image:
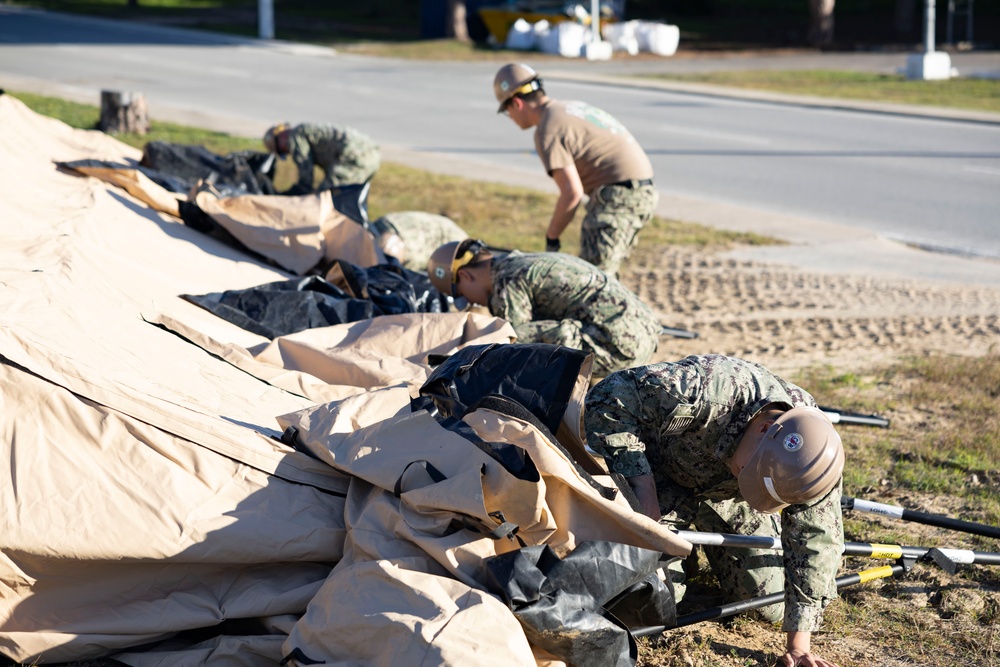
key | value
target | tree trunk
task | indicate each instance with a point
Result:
(820, 22)
(903, 17)
(456, 26)
(123, 112)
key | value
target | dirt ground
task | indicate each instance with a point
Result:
(786, 318)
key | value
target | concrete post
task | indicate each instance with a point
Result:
(931, 64)
(596, 49)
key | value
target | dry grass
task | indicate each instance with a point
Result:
(941, 455)
(962, 93)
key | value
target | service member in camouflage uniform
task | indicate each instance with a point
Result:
(552, 298)
(411, 236)
(345, 155)
(719, 443)
(586, 151)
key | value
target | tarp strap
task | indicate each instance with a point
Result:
(298, 656)
(431, 476)
(426, 474)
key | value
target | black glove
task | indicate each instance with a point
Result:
(552, 245)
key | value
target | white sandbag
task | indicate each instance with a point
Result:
(565, 39)
(521, 36)
(622, 36)
(658, 38)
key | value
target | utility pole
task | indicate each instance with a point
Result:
(265, 19)
(931, 64)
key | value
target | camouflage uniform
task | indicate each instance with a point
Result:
(610, 229)
(344, 154)
(422, 233)
(681, 422)
(562, 300)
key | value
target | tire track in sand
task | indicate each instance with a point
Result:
(786, 318)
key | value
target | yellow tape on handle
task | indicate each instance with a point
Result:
(887, 551)
(875, 573)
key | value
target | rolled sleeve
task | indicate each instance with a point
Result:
(613, 427)
(624, 454)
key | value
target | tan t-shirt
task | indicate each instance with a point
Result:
(601, 148)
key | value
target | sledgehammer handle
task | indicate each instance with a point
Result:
(920, 517)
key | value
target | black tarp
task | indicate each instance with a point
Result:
(538, 376)
(179, 167)
(284, 307)
(576, 607)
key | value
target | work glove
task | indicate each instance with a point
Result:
(552, 245)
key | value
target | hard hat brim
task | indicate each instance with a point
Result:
(754, 491)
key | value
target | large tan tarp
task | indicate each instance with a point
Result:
(332, 363)
(151, 490)
(296, 232)
(383, 350)
(134, 182)
(401, 536)
(146, 491)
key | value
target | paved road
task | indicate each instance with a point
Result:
(807, 173)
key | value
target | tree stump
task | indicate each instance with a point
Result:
(123, 112)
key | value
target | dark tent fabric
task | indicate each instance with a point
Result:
(393, 289)
(178, 168)
(356, 293)
(351, 200)
(538, 376)
(238, 173)
(384, 285)
(564, 604)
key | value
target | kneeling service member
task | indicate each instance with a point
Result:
(551, 298)
(345, 155)
(725, 446)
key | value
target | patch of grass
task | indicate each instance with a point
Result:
(513, 217)
(963, 93)
(929, 476)
(85, 117)
(430, 49)
(80, 116)
(944, 439)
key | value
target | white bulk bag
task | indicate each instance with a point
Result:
(622, 36)
(565, 38)
(658, 38)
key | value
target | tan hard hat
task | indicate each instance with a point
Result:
(444, 263)
(512, 79)
(800, 459)
(271, 135)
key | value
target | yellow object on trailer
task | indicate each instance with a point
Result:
(499, 20)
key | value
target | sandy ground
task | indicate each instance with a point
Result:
(788, 318)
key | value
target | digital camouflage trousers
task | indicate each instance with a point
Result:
(742, 573)
(610, 229)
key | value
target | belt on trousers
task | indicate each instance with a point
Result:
(634, 184)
